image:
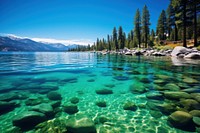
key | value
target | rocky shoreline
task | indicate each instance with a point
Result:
(179, 51)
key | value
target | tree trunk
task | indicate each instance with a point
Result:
(176, 33)
(195, 25)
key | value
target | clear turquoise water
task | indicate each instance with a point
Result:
(80, 74)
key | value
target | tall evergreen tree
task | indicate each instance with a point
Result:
(97, 44)
(181, 10)
(121, 38)
(161, 28)
(145, 24)
(109, 42)
(137, 29)
(115, 39)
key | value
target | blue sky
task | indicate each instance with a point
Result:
(80, 20)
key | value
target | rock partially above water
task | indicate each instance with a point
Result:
(28, 119)
(179, 50)
(193, 55)
(104, 92)
(80, 124)
(180, 118)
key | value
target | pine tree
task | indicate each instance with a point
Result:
(162, 26)
(145, 24)
(109, 42)
(181, 10)
(115, 39)
(120, 38)
(137, 29)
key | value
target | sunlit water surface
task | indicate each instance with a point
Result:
(31, 76)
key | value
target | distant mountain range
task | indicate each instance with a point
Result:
(10, 43)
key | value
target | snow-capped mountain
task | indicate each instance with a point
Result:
(13, 43)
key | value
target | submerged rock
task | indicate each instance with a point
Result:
(74, 100)
(80, 124)
(190, 80)
(195, 113)
(34, 101)
(130, 106)
(70, 109)
(180, 118)
(57, 125)
(155, 114)
(6, 107)
(104, 92)
(53, 95)
(44, 108)
(154, 95)
(171, 86)
(109, 85)
(190, 104)
(11, 96)
(196, 120)
(90, 80)
(121, 78)
(138, 88)
(28, 119)
(176, 95)
(101, 103)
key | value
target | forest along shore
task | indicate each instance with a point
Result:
(179, 51)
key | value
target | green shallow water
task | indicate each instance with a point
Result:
(32, 75)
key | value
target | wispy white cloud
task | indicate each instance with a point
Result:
(51, 40)
(66, 42)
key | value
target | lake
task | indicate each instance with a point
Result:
(106, 93)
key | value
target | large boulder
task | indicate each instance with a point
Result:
(180, 118)
(28, 119)
(179, 50)
(193, 56)
(176, 95)
(80, 124)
